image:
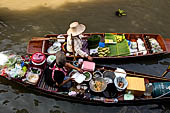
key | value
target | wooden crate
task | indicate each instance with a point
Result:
(35, 46)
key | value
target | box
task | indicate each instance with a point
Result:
(88, 66)
(136, 85)
(109, 41)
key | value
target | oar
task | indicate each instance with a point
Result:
(72, 43)
(168, 69)
(43, 38)
(51, 38)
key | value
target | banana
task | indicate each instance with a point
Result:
(105, 55)
(103, 49)
(102, 52)
(100, 55)
(99, 50)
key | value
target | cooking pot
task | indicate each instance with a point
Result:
(109, 76)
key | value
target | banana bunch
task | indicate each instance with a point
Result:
(103, 51)
(120, 38)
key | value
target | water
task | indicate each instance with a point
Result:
(23, 19)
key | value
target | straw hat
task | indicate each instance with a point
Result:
(76, 29)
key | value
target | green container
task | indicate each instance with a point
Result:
(93, 41)
(160, 88)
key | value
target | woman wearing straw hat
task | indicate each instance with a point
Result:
(75, 33)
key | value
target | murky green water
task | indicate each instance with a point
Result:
(21, 20)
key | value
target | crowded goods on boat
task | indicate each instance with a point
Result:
(83, 81)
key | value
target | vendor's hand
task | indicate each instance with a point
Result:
(80, 70)
(90, 58)
(72, 79)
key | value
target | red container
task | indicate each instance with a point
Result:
(38, 58)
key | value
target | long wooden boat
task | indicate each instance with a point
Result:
(110, 96)
(120, 49)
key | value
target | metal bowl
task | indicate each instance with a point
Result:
(97, 74)
(94, 86)
(109, 76)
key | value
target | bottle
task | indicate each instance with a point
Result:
(149, 89)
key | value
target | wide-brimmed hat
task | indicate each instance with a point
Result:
(76, 29)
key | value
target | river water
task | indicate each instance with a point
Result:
(22, 19)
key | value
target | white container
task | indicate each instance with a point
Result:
(149, 89)
(122, 79)
(50, 59)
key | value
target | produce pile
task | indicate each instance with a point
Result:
(119, 38)
(156, 48)
(103, 51)
(120, 48)
(14, 66)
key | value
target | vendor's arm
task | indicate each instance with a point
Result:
(73, 67)
(78, 47)
(65, 81)
(78, 50)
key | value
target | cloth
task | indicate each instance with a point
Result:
(57, 68)
(53, 75)
(101, 44)
(78, 46)
(48, 77)
(94, 51)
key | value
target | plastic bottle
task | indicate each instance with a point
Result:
(149, 89)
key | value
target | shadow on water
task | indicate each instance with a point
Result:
(17, 27)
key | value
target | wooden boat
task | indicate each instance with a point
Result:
(110, 96)
(41, 44)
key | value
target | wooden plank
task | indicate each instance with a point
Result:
(135, 83)
(167, 43)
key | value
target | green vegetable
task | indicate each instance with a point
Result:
(87, 74)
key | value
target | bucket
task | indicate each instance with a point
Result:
(123, 80)
(160, 88)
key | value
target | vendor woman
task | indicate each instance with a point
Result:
(75, 33)
(55, 74)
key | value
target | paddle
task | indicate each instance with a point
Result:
(44, 38)
(168, 69)
(51, 38)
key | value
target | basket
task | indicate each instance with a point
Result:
(35, 46)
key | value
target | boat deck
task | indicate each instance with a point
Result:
(42, 85)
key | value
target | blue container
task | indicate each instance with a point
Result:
(160, 88)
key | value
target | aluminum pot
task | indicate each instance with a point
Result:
(98, 84)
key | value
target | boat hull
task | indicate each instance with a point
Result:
(61, 96)
(41, 44)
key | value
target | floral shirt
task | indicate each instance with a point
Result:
(77, 46)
